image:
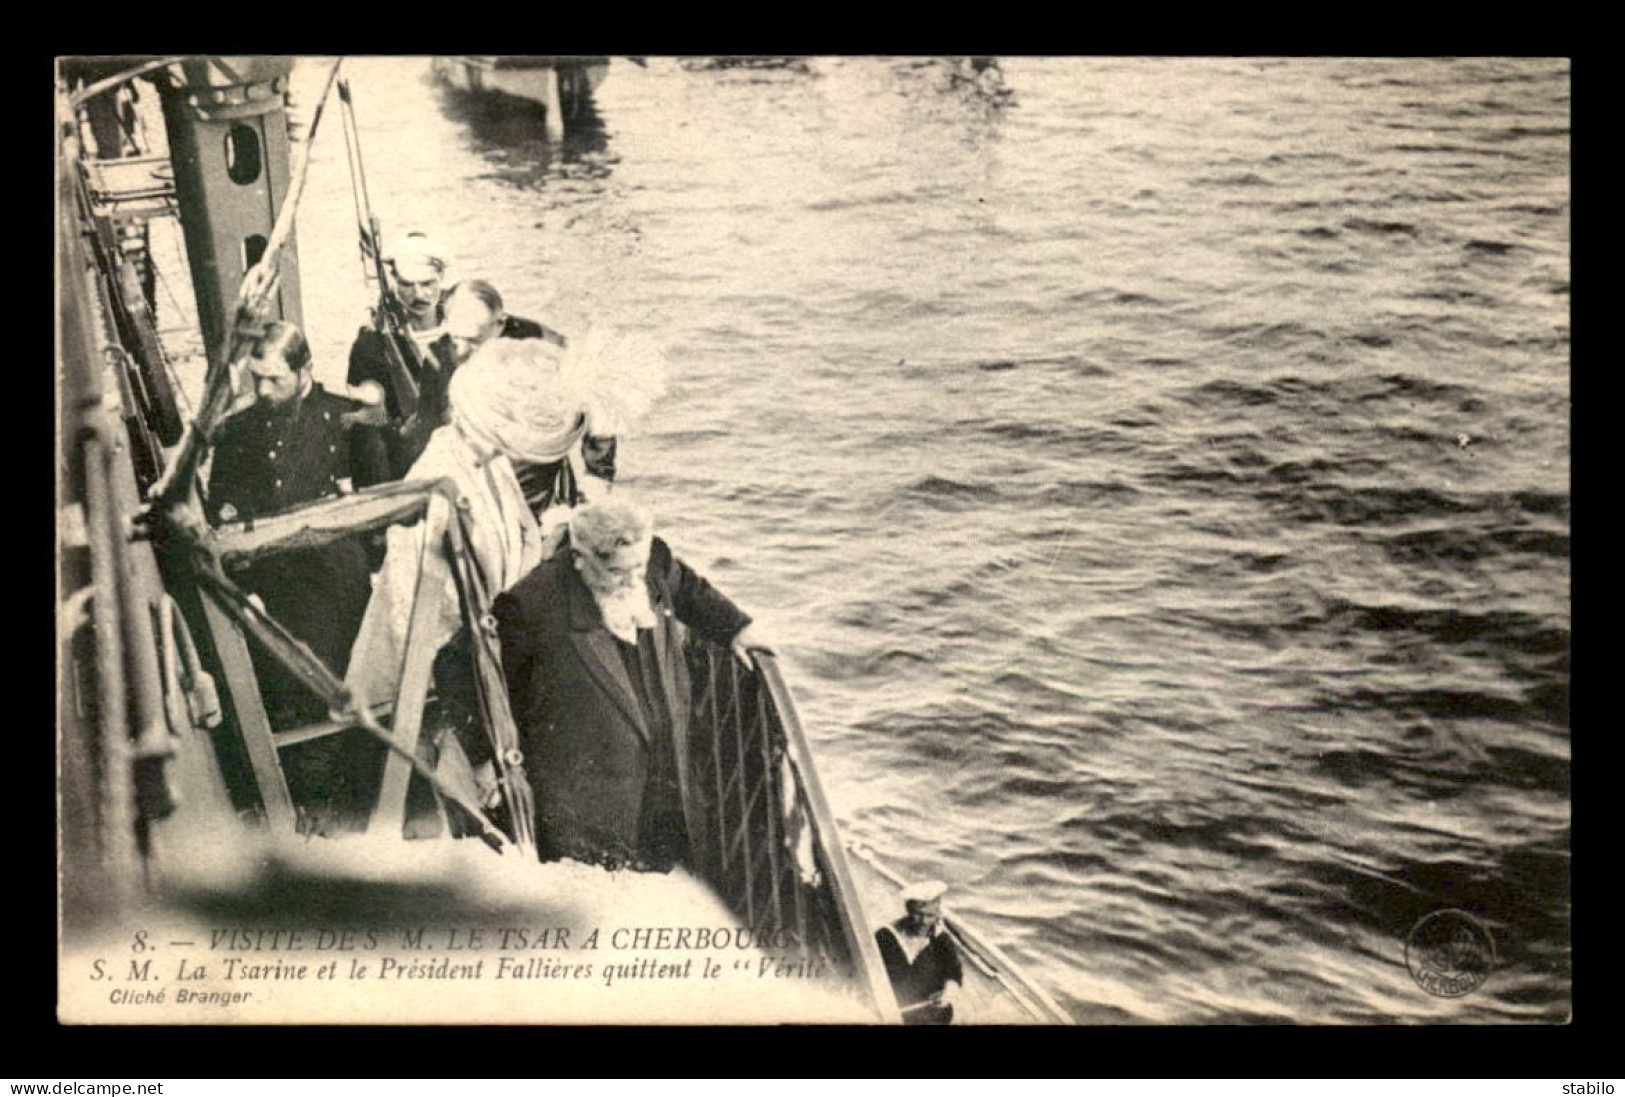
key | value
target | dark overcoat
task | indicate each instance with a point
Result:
(581, 727)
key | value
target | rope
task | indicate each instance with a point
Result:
(355, 185)
(258, 282)
(256, 289)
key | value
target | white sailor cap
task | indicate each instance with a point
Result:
(414, 253)
(925, 891)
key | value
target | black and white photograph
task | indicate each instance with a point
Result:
(842, 539)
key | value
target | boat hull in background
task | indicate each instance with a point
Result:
(536, 80)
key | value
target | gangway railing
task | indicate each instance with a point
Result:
(770, 848)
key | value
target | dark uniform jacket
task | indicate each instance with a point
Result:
(583, 724)
(266, 462)
(517, 327)
(928, 973)
(429, 370)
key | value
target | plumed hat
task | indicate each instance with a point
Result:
(618, 376)
(510, 396)
(533, 400)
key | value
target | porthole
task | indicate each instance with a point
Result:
(243, 160)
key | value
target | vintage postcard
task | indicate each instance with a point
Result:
(843, 539)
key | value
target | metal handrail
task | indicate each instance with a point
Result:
(859, 932)
(765, 812)
(78, 99)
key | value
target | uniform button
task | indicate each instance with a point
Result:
(327, 415)
(332, 449)
(279, 483)
(271, 454)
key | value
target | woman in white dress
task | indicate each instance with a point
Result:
(515, 399)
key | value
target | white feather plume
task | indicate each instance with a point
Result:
(617, 376)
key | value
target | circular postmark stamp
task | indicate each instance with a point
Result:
(1449, 953)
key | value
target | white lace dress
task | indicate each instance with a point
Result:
(504, 539)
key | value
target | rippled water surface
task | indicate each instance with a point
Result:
(1157, 485)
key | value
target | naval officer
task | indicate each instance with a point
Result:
(294, 444)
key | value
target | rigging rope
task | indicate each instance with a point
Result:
(261, 279)
(252, 296)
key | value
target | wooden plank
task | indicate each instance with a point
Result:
(323, 728)
(389, 815)
(252, 723)
(315, 524)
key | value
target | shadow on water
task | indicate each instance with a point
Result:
(1523, 897)
(508, 133)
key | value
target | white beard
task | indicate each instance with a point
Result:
(626, 611)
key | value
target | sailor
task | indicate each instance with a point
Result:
(410, 318)
(294, 444)
(921, 958)
(474, 314)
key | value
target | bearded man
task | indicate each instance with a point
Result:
(592, 646)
